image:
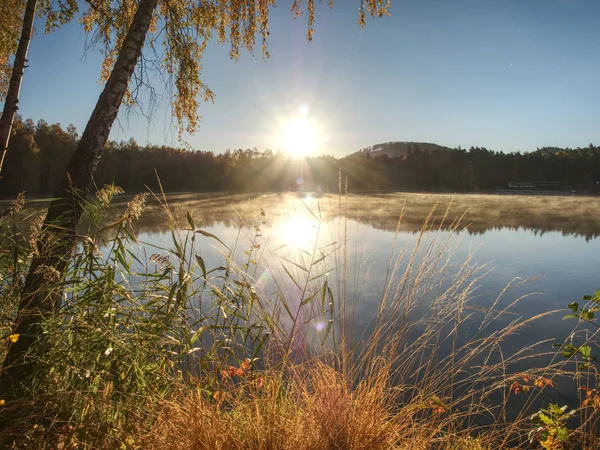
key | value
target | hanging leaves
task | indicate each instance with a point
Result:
(183, 29)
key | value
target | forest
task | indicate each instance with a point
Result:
(39, 154)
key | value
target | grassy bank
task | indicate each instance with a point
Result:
(159, 351)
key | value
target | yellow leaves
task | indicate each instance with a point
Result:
(311, 19)
(14, 337)
(378, 8)
(10, 30)
(375, 8)
(107, 66)
(183, 28)
(2, 402)
(361, 18)
(153, 24)
(550, 443)
(58, 13)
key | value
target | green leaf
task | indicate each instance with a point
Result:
(545, 419)
(595, 299)
(316, 277)
(216, 269)
(260, 345)
(573, 306)
(191, 221)
(291, 276)
(297, 265)
(327, 331)
(178, 251)
(111, 225)
(570, 316)
(330, 295)
(568, 350)
(556, 410)
(212, 236)
(242, 284)
(585, 350)
(202, 266)
(586, 297)
(562, 434)
(132, 255)
(308, 299)
(196, 335)
(285, 305)
(586, 315)
(120, 255)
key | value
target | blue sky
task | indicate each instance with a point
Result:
(505, 74)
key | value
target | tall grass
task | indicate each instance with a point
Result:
(160, 351)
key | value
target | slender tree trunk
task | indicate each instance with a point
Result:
(12, 96)
(57, 237)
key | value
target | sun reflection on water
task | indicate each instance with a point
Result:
(298, 232)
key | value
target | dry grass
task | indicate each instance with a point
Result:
(317, 409)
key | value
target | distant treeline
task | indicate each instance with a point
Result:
(39, 153)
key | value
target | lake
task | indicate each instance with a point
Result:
(551, 241)
(544, 248)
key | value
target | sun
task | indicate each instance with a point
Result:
(299, 136)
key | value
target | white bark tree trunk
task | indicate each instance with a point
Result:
(14, 87)
(65, 210)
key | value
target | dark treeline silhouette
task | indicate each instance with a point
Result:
(40, 152)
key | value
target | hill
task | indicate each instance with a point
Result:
(395, 149)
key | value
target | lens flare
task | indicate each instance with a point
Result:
(299, 137)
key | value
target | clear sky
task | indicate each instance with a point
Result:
(505, 74)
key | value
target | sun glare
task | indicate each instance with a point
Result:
(299, 137)
(297, 232)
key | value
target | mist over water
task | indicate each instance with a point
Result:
(551, 258)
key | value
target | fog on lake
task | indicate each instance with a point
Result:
(545, 248)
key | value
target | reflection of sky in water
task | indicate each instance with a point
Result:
(566, 267)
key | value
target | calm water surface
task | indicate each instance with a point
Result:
(559, 261)
(547, 249)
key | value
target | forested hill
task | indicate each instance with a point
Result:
(400, 149)
(39, 153)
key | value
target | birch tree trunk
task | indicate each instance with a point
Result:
(57, 237)
(14, 87)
